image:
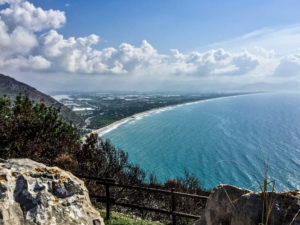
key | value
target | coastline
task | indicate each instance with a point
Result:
(160, 163)
(135, 116)
(103, 130)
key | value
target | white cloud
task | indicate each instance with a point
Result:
(26, 15)
(245, 62)
(38, 62)
(18, 41)
(30, 63)
(74, 54)
(29, 40)
(78, 55)
(213, 62)
(289, 66)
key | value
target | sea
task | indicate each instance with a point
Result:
(228, 140)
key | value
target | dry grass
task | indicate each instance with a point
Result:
(66, 162)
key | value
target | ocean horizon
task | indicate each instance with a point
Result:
(222, 140)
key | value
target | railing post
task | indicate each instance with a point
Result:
(173, 202)
(107, 202)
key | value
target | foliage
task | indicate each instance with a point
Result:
(33, 130)
(29, 130)
(127, 219)
(100, 158)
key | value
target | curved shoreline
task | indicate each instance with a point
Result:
(104, 130)
(135, 116)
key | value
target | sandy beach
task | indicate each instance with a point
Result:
(117, 123)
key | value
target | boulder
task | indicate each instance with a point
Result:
(32, 193)
(231, 205)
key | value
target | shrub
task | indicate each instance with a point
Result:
(29, 130)
(67, 162)
(100, 158)
(33, 130)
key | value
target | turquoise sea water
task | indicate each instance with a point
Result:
(221, 141)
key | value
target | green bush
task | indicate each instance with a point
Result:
(100, 158)
(29, 130)
(35, 131)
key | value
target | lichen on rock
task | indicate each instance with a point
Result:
(32, 193)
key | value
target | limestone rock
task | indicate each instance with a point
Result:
(231, 205)
(32, 193)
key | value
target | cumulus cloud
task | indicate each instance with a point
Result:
(18, 41)
(77, 54)
(19, 23)
(213, 62)
(29, 63)
(29, 40)
(244, 62)
(289, 66)
(26, 15)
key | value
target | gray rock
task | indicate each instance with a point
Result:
(27, 201)
(65, 189)
(3, 190)
(231, 205)
(32, 193)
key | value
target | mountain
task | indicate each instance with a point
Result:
(12, 87)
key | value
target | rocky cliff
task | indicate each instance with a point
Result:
(32, 193)
(230, 205)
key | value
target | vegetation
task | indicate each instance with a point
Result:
(127, 219)
(36, 131)
(29, 130)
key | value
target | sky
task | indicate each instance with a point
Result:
(170, 45)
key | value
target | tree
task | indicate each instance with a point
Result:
(33, 130)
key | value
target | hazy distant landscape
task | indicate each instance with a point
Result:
(101, 109)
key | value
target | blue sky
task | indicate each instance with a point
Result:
(168, 24)
(150, 45)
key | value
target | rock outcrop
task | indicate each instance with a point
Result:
(32, 193)
(231, 205)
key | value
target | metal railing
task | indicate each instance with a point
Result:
(108, 200)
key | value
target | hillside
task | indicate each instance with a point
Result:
(12, 87)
